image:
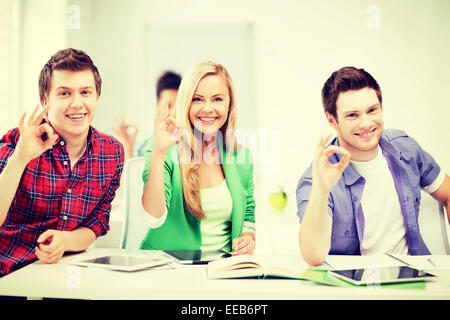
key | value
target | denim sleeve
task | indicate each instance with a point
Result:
(427, 168)
(143, 146)
(303, 191)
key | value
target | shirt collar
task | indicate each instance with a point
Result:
(350, 174)
(387, 146)
(89, 140)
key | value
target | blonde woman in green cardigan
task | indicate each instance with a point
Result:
(198, 190)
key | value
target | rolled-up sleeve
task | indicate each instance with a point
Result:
(303, 192)
(249, 219)
(7, 146)
(98, 219)
(168, 171)
(419, 162)
(428, 167)
(250, 199)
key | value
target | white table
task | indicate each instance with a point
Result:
(63, 280)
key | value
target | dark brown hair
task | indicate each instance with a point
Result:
(67, 59)
(345, 79)
(168, 80)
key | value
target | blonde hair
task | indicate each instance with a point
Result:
(190, 146)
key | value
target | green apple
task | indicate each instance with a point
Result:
(278, 200)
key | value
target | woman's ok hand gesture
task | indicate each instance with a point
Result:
(165, 129)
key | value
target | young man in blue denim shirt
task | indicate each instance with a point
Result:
(361, 195)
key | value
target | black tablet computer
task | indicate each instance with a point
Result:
(382, 275)
(197, 256)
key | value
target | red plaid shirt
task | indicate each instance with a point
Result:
(52, 196)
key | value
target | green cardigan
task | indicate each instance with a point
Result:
(181, 230)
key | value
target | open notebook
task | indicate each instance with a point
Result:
(244, 266)
(248, 266)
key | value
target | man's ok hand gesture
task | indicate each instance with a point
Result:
(30, 144)
(326, 174)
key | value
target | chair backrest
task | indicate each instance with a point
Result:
(134, 228)
(434, 226)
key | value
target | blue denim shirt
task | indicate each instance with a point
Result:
(412, 169)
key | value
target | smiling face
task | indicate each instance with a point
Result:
(72, 100)
(359, 122)
(210, 104)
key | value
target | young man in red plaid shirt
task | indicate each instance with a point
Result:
(58, 174)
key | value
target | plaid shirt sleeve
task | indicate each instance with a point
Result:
(7, 146)
(98, 220)
(52, 195)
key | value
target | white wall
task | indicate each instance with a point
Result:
(30, 32)
(42, 33)
(298, 44)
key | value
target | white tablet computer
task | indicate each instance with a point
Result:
(123, 262)
(382, 275)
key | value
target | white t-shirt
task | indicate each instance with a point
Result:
(384, 226)
(217, 205)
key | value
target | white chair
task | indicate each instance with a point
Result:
(134, 227)
(434, 226)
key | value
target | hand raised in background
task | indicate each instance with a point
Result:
(126, 134)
